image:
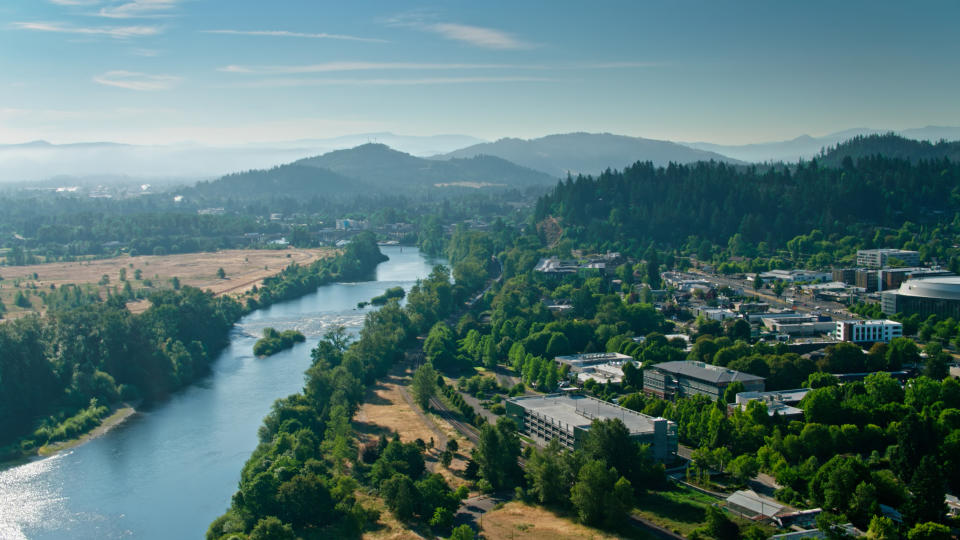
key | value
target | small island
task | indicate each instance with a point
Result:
(392, 292)
(273, 342)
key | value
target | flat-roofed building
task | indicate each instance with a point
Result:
(611, 372)
(579, 362)
(779, 402)
(567, 418)
(873, 331)
(866, 280)
(844, 275)
(558, 268)
(892, 278)
(878, 258)
(670, 380)
(804, 325)
(793, 276)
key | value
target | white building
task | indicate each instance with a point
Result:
(877, 258)
(868, 331)
(352, 224)
(794, 276)
(716, 314)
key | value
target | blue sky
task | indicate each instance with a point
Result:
(239, 71)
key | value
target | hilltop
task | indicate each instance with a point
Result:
(371, 168)
(586, 153)
(806, 147)
(889, 145)
(382, 166)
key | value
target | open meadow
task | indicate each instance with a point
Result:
(242, 269)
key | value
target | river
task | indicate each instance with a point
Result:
(168, 471)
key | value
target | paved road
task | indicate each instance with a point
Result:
(471, 510)
(804, 303)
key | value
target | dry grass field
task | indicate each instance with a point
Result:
(387, 410)
(387, 527)
(244, 268)
(518, 520)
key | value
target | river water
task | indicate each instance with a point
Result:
(167, 472)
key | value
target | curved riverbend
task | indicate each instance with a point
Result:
(167, 472)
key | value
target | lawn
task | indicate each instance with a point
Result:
(679, 509)
(682, 510)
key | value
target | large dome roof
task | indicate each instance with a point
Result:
(947, 288)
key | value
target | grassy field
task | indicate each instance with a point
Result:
(680, 509)
(243, 269)
(519, 520)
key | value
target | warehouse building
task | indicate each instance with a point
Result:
(670, 380)
(567, 418)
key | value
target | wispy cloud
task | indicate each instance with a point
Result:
(330, 67)
(297, 82)
(139, 9)
(147, 53)
(132, 80)
(478, 36)
(333, 67)
(75, 2)
(286, 33)
(110, 31)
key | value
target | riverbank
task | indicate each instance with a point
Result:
(129, 481)
(118, 414)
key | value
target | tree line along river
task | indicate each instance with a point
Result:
(168, 471)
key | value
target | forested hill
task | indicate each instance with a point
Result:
(370, 168)
(292, 180)
(383, 167)
(586, 153)
(714, 201)
(892, 146)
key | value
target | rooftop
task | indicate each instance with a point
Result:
(755, 503)
(705, 372)
(871, 322)
(577, 360)
(580, 411)
(935, 287)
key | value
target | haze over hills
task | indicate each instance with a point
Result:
(383, 166)
(586, 153)
(371, 168)
(555, 155)
(806, 147)
(187, 162)
(890, 145)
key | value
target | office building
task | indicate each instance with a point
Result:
(567, 418)
(868, 331)
(878, 258)
(670, 380)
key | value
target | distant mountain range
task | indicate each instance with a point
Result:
(806, 147)
(553, 156)
(187, 162)
(586, 153)
(372, 168)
